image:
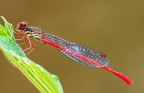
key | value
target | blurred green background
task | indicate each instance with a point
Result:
(115, 27)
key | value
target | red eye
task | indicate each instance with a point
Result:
(22, 25)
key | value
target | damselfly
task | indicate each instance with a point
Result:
(79, 53)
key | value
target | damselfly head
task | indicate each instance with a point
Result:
(22, 25)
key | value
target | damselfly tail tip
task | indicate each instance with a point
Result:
(128, 80)
(120, 75)
(124, 77)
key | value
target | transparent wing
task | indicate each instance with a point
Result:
(77, 48)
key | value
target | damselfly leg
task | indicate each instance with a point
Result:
(21, 30)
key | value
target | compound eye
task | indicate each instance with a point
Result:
(22, 25)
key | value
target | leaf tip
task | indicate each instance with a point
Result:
(3, 18)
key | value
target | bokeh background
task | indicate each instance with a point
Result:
(115, 27)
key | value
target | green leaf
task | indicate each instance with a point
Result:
(42, 79)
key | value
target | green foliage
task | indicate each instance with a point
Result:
(42, 79)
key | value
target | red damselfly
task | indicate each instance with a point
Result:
(77, 52)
